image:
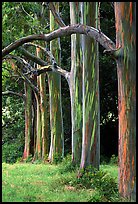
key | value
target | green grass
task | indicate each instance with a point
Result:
(111, 169)
(26, 182)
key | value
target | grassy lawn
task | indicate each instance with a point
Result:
(25, 182)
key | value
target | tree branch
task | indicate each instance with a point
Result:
(22, 62)
(33, 57)
(63, 31)
(26, 11)
(56, 69)
(56, 15)
(48, 53)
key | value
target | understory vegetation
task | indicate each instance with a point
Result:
(43, 182)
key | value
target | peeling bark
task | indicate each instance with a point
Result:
(90, 89)
(44, 119)
(125, 14)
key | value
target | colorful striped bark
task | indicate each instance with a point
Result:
(44, 119)
(90, 89)
(76, 87)
(38, 150)
(28, 120)
(54, 80)
(125, 14)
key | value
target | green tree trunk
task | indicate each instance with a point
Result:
(90, 89)
(76, 86)
(38, 150)
(54, 80)
(28, 120)
(44, 119)
(125, 14)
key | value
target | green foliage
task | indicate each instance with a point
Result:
(29, 159)
(10, 152)
(67, 165)
(13, 130)
(114, 159)
(57, 158)
(100, 181)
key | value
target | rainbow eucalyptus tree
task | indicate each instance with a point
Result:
(38, 144)
(125, 15)
(54, 81)
(28, 121)
(43, 107)
(76, 86)
(90, 89)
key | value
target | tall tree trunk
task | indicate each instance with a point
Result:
(44, 119)
(54, 80)
(28, 120)
(38, 150)
(90, 89)
(125, 14)
(76, 86)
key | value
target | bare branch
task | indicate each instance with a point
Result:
(26, 11)
(23, 63)
(20, 60)
(63, 31)
(33, 57)
(58, 69)
(48, 53)
(56, 15)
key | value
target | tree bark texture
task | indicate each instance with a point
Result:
(90, 88)
(54, 80)
(38, 150)
(76, 86)
(28, 120)
(43, 107)
(125, 14)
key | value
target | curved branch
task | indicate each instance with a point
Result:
(63, 31)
